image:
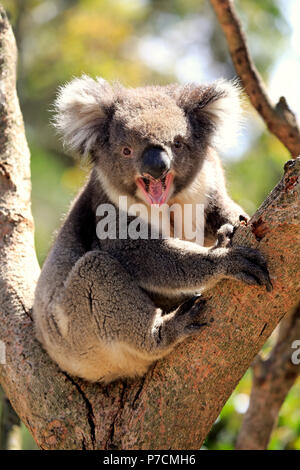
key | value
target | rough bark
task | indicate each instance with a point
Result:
(272, 380)
(279, 118)
(175, 404)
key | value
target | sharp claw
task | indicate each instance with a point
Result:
(269, 286)
(268, 282)
(257, 279)
(196, 326)
(243, 220)
(188, 305)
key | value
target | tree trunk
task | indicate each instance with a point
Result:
(272, 380)
(176, 403)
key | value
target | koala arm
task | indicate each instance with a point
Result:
(172, 266)
(222, 217)
(221, 209)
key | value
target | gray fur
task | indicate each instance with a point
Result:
(108, 309)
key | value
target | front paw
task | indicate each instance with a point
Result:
(188, 318)
(185, 321)
(226, 232)
(247, 265)
(224, 235)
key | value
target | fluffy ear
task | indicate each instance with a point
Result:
(214, 110)
(82, 109)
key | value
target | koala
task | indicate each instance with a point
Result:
(107, 308)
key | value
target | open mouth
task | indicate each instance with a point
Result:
(156, 191)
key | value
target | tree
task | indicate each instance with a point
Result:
(178, 400)
(273, 377)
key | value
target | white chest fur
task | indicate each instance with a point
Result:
(182, 217)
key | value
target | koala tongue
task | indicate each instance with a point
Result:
(156, 192)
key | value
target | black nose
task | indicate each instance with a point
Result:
(155, 162)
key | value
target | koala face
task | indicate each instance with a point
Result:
(148, 143)
(149, 146)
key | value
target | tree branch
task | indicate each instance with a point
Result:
(279, 119)
(272, 380)
(175, 404)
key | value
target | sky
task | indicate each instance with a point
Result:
(177, 51)
(285, 77)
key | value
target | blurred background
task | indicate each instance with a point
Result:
(153, 42)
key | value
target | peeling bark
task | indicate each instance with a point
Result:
(175, 404)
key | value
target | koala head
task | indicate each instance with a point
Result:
(148, 143)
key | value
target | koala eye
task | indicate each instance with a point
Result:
(127, 151)
(178, 144)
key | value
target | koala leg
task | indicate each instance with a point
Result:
(104, 326)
